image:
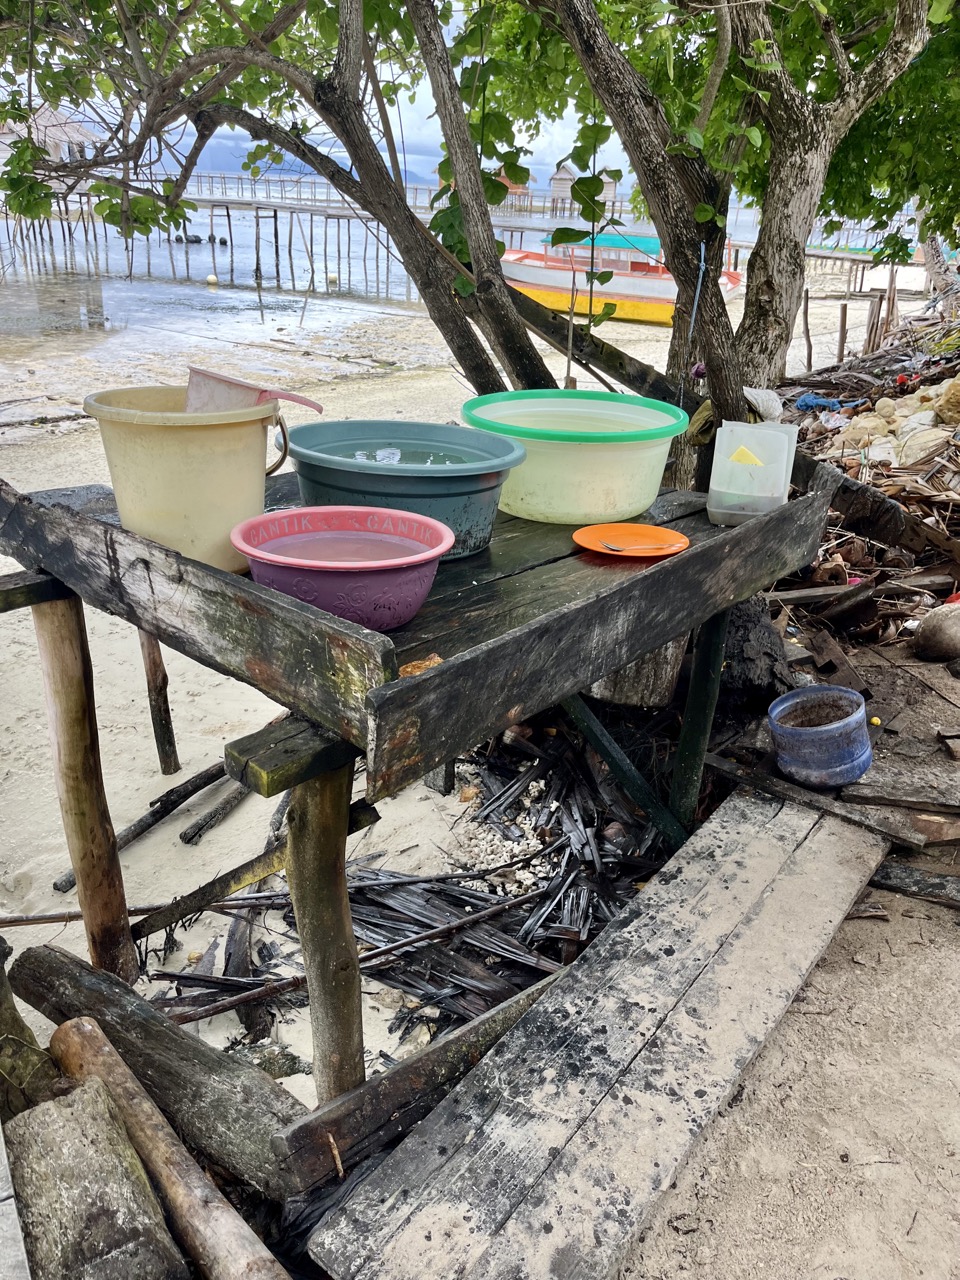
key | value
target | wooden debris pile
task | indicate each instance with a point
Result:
(551, 850)
(892, 419)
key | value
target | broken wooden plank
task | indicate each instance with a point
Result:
(220, 1107)
(588, 1211)
(491, 1140)
(281, 755)
(301, 657)
(931, 784)
(888, 826)
(337, 1136)
(553, 631)
(915, 882)
(834, 665)
(24, 589)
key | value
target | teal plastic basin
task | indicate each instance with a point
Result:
(453, 474)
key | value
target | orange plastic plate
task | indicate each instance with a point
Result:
(638, 540)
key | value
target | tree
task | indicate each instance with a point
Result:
(699, 97)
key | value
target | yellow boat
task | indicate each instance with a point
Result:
(641, 287)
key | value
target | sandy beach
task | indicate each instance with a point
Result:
(837, 1160)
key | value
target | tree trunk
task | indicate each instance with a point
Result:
(777, 266)
(505, 330)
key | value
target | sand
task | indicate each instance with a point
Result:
(838, 1159)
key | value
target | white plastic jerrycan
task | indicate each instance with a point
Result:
(752, 464)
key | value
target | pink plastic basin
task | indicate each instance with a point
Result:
(370, 565)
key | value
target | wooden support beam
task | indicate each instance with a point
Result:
(628, 776)
(698, 713)
(71, 716)
(285, 753)
(318, 820)
(221, 1107)
(157, 682)
(25, 589)
(303, 658)
(343, 1132)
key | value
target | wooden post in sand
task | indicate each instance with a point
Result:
(157, 682)
(72, 720)
(318, 818)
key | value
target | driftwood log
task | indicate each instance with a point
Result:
(222, 1108)
(86, 1205)
(205, 1223)
(27, 1072)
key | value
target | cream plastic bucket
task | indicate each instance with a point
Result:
(184, 479)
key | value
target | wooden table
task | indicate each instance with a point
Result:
(518, 627)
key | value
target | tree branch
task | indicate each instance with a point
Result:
(839, 54)
(504, 329)
(719, 65)
(908, 36)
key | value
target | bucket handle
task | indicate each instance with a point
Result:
(284, 448)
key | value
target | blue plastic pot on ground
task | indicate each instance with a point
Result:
(820, 735)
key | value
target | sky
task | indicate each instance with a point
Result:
(418, 137)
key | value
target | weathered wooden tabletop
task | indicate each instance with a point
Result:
(528, 621)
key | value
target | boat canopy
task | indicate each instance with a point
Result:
(614, 240)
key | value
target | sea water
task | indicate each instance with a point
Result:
(343, 546)
(399, 455)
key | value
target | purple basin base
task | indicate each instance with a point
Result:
(379, 599)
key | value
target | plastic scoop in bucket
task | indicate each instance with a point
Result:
(214, 392)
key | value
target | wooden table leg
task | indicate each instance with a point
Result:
(72, 719)
(702, 696)
(318, 819)
(157, 681)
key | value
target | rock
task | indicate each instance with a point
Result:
(916, 422)
(938, 636)
(948, 406)
(886, 407)
(907, 405)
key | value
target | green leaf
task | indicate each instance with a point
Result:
(704, 213)
(695, 137)
(464, 287)
(606, 311)
(568, 235)
(754, 135)
(615, 174)
(600, 277)
(940, 11)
